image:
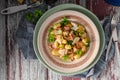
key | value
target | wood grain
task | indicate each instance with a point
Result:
(19, 68)
(2, 43)
(13, 65)
(98, 7)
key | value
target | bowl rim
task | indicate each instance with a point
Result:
(79, 9)
(92, 51)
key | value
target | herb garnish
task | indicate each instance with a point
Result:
(33, 17)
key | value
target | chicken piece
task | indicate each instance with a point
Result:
(75, 27)
(66, 28)
(76, 39)
(62, 52)
(74, 49)
(79, 44)
(51, 45)
(71, 56)
(84, 49)
(59, 38)
(72, 34)
(70, 37)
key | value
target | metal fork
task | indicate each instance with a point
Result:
(115, 20)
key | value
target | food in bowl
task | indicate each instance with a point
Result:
(68, 40)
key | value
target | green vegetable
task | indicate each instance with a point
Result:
(65, 57)
(76, 33)
(51, 38)
(81, 33)
(38, 13)
(69, 42)
(64, 21)
(79, 52)
(61, 46)
(87, 43)
(33, 17)
(51, 29)
(29, 16)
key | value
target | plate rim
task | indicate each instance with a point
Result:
(79, 9)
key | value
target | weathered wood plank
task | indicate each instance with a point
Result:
(13, 57)
(42, 72)
(25, 68)
(71, 78)
(33, 70)
(18, 67)
(76, 78)
(54, 76)
(66, 78)
(99, 7)
(2, 43)
(37, 70)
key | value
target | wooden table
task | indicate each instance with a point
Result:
(13, 65)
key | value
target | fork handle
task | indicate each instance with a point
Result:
(13, 9)
(108, 48)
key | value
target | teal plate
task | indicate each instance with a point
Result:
(79, 9)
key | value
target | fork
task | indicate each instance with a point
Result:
(115, 20)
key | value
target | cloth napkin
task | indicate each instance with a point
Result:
(24, 33)
(24, 38)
